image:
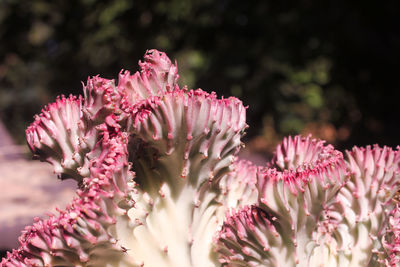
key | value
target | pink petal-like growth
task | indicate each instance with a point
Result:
(102, 99)
(157, 75)
(160, 185)
(56, 136)
(300, 193)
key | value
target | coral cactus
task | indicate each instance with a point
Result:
(160, 185)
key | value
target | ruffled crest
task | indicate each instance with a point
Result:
(56, 136)
(157, 75)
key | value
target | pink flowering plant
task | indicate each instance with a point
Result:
(160, 185)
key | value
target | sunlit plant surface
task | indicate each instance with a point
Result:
(160, 185)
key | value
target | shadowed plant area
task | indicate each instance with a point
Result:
(323, 67)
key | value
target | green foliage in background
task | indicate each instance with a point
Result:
(309, 66)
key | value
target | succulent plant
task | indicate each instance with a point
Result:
(160, 185)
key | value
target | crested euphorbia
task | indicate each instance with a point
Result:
(160, 185)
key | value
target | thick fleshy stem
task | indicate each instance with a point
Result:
(179, 162)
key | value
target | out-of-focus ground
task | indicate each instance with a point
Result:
(28, 189)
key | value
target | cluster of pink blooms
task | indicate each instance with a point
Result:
(160, 185)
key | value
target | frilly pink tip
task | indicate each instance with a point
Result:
(102, 98)
(157, 75)
(300, 160)
(54, 122)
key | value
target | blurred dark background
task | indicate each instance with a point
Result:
(329, 68)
